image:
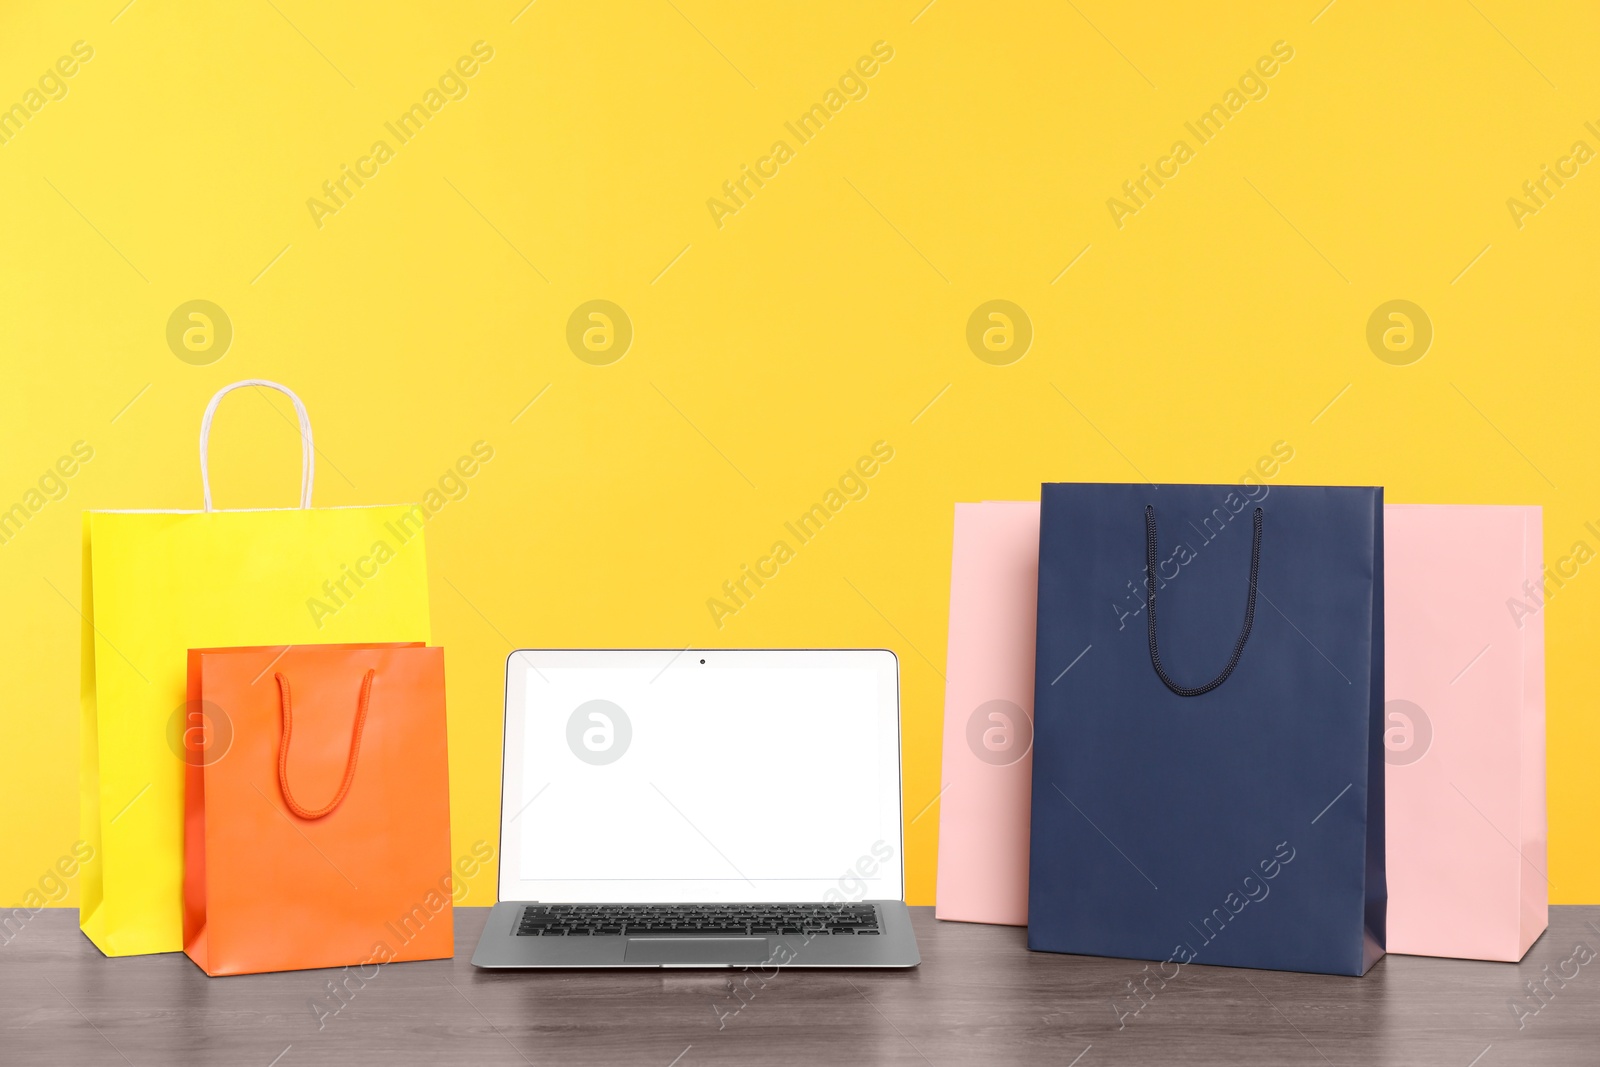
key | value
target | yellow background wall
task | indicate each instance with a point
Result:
(768, 353)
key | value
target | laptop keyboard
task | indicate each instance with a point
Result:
(801, 920)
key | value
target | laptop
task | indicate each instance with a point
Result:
(700, 808)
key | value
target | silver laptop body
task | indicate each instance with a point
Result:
(700, 808)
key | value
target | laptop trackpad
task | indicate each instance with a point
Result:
(696, 950)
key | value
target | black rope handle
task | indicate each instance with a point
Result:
(1150, 599)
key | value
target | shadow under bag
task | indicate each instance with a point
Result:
(1208, 774)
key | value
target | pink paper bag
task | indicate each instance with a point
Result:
(988, 715)
(1464, 730)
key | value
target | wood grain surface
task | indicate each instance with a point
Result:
(979, 997)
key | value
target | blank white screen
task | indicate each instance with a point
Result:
(736, 782)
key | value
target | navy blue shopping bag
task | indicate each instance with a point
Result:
(1208, 719)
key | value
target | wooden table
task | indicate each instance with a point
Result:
(979, 997)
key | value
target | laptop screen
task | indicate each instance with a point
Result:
(701, 776)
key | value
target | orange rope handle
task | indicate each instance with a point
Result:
(355, 748)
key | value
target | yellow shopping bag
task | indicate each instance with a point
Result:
(158, 583)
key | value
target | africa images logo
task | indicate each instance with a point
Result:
(999, 733)
(337, 192)
(599, 732)
(1252, 85)
(852, 85)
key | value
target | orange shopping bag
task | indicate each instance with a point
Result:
(316, 808)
